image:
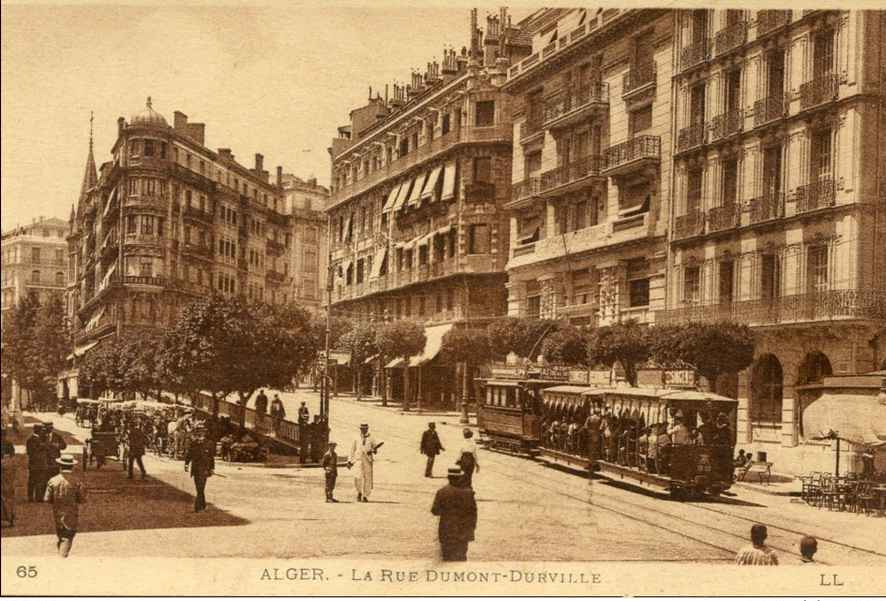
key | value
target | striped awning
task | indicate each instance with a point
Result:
(448, 191)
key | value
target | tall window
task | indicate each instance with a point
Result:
(730, 182)
(775, 73)
(699, 26)
(697, 104)
(727, 279)
(483, 169)
(35, 255)
(772, 172)
(533, 306)
(149, 148)
(35, 276)
(444, 124)
(478, 239)
(817, 268)
(820, 165)
(59, 278)
(485, 113)
(770, 277)
(823, 55)
(692, 284)
(59, 255)
(693, 191)
(533, 162)
(732, 97)
(640, 120)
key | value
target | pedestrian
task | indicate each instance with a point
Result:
(468, 458)
(278, 412)
(55, 445)
(261, 403)
(363, 451)
(38, 468)
(808, 548)
(330, 470)
(200, 456)
(66, 492)
(304, 414)
(757, 553)
(457, 508)
(8, 474)
(136, 442)
(431, 447)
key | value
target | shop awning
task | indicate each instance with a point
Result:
(379, 258)
(392, 198)
(857, 418)
(93, 321)
(448, 181)
(415, 193)
(81, 350)
(431, 183)
(434, 336)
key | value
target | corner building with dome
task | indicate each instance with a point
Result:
(165, 221)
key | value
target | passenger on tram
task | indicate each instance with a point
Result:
(723, 431)
(592, 426)
(679, 433)
(651, 447)
(663, 453)
(707, 429)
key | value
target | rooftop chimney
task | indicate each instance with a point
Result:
(197, 132)
(225, 153)
(279, 176)
(179, 122)
(121, 123)
(259, 163)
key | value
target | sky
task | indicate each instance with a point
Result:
(276, 78)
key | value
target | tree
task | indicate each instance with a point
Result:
(469, 347)
(712, 349)
(360, 342)
(20, 351)
(401, 339)
(623, 342)
(567, 345)
(100, 369)
(521, 336)
(52, 345)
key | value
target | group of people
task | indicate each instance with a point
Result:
(759, 554)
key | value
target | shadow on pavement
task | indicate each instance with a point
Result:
(115, 503)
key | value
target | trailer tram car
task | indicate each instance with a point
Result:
(679, 441)
(509, 415)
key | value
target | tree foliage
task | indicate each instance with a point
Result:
(567, 345)
(625, 343)
(521, 336)
(467, 345)
(361, 343)
(401, 339)
(711, 349)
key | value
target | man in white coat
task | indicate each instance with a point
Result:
(363, 452)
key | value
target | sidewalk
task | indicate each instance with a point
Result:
(780, 485)
(397, 406)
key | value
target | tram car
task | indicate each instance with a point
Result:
(510, 412)
(681, 441)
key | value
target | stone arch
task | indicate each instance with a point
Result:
(814, 367)
(767, 389)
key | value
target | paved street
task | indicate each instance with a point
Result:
(527, 510)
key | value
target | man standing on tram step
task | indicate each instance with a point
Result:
(136, 440)
(468, 458)
(66, 492)
(200, 456)
(363, 451)
(457, 508)
(757, 553)
(329, 462)
(431, 446)
(261, 402)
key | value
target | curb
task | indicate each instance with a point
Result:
(767, 489)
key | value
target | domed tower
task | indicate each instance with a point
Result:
(148, 117)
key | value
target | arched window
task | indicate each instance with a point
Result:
(35, 276)
(59, 278)
(767, 379)
(814, 368)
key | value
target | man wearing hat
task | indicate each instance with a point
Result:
(679, 433)
(37, 449)
(200, 456)
(363, 452)
(329, 462)
(457, 508)
(431, 447)
(56, 444)
(66, 492)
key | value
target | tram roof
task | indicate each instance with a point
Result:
(566, 389)
(697, 396)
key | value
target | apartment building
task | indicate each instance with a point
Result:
(592, 166)
(420, 180)
(779, 206)
(304, 202)
(167, 221)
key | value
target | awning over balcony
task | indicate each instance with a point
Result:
(402, 193)
(417, 184)
(431, 183)
(107, 278)
(392, 199)
(434, 335)
(81, 350)
(380, 255)
(93, 321)
(448, 181)
(857, 418)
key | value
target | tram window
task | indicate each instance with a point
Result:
(512, 397)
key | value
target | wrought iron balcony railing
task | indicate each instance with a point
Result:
(816, 195)
(818, 91)
(695, 54)
(766, 208)
(768, 109)
(727, 124)
(638, 76)
(574, 102)
(731, 37)
(689, 225)
(691, 137)
(580, 168)
(526, 189)
(770, 20)
(640, 147)
(723, 218)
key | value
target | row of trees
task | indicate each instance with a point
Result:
(35, 344)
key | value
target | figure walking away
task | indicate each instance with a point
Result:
(431, 447)
(65, 492)
(457, 508)
(468, 458)
(757, 553)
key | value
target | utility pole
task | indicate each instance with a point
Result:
(324, 387)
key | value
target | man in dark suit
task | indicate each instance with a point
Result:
(37, 447)
(201, 458)
(55, 445)
(457, 508)
(136, 441)
(431, 446)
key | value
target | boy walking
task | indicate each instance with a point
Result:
(330, 469)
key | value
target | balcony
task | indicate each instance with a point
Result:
(277, 218)
(479, 192)
(727, 124)
(689, 225)
(531, 127)
(569, 108)
(526, 189)
(723, 218)
(691, 137)
(198, 250)
(632, 155)
(766, 208)
(769, 109)
(695, 54)
(275, 248)
(574, 310)
(275, 276)
(730, 38)
(144, 280)
(826, 305)
(195, 213)
(771, 20)
(638, 78)
(560, 179)
(524, 249)
(816, 195)
(818, 91)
